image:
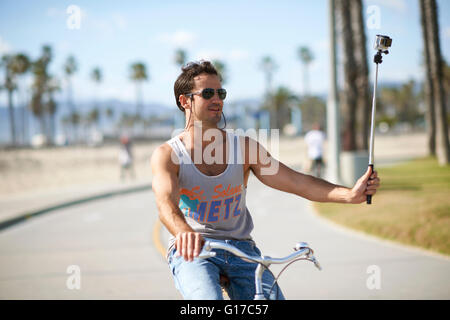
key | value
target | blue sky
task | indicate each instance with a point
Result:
(114, 34)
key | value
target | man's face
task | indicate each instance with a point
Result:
(208, 111)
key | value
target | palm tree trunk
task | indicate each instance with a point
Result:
(362, 80)
(11, 117)
(442, 139)
(350, 90)
(428, 85)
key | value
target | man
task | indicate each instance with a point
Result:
(126, 158)
(314, 140)
(199, 199)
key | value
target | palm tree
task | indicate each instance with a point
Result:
(268, 66)
(428, 85)
(436, 71)
(281, 103)
(10, 86)
(92, 118)
(313, 111)
(51, 106)
(40, 83)
(20, 64)
(138, 75)
(403, 100)
(180, 57)
(96, 77)
(109, 112)
(70, 67)
(15, 65)
(306, 57)
(350, 91)
(363, 105)
(221, 69)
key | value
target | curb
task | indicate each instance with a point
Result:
(31, 214)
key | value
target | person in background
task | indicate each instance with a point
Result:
(314, 140)
(126, 158)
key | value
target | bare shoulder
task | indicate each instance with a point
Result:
(164, 158)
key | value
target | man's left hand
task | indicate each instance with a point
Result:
(364, 186)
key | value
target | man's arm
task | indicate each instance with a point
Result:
(165, 187)
(306, 186)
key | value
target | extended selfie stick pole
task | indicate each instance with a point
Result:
(377, 59)
(381, 45)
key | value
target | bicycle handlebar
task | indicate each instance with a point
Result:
(301, 249)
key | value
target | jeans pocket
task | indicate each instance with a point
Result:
(172, 261)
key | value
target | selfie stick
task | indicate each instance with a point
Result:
(378, 60)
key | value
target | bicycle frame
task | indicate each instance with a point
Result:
(302, 250)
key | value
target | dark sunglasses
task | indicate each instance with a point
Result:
(208, 93)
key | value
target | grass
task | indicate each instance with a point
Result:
(412, 206)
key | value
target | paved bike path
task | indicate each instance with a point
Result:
(111, 241)
(355, 266)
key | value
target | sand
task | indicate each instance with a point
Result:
(30, 170)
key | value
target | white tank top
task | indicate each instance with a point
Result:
(214, 206)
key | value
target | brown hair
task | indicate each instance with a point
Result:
(185, 81)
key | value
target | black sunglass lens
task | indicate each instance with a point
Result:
(208, 93)
(222, 93)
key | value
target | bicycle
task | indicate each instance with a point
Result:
(302, 252)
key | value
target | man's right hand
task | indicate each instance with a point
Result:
(189, 245)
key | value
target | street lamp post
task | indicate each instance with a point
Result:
(333, 130)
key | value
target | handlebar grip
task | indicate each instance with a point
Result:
(369, 196)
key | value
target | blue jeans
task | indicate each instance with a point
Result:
(199, 279)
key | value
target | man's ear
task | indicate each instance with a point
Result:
(184, 101)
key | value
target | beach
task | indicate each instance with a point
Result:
(25, 171)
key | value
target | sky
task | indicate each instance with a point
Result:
(114, 34)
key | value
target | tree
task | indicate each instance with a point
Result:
(282, 101)
(10, 86)
(51, 106)
(306, 57)
(403, 101)
(180, 57)
(350, 91)
(70, 67)
(15, 65)
(40, 84)
(92, 118)
(221, 69)
(428, 85)
(96, 77)
(138, 75)
(313, 111)
(436, 71)
(268, 66)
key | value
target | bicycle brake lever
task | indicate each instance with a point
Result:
(316, 263)
(301, 245)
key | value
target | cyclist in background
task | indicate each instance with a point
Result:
(200, 186)
(314, 140)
